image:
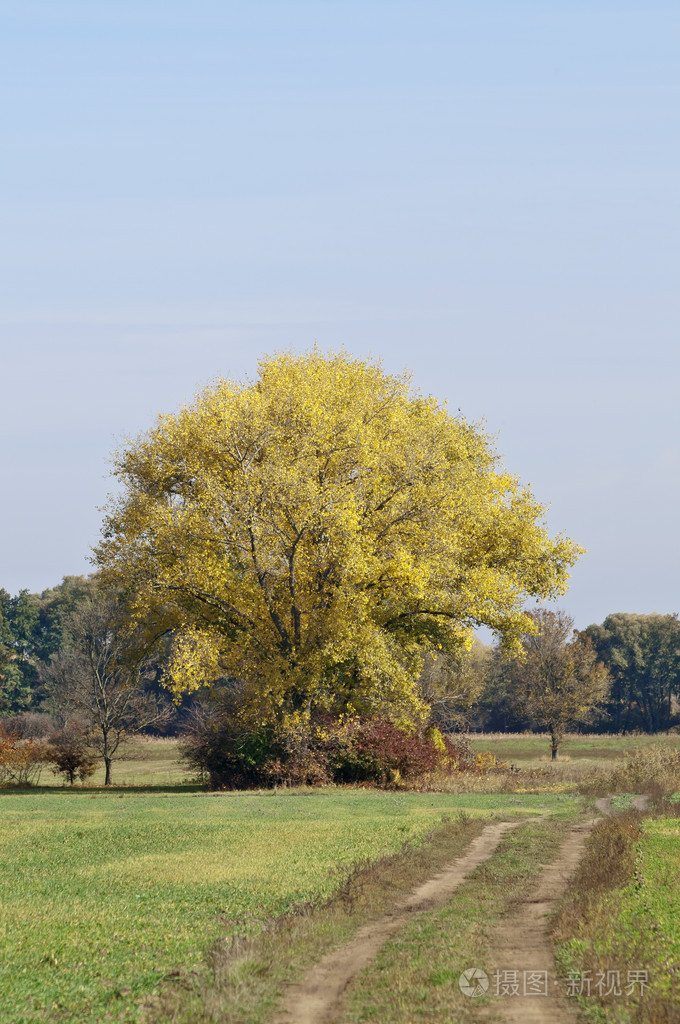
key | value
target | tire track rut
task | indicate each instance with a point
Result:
(521, 942)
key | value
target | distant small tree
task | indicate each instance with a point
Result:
(98, 678)
(70, 755)
(559, 681)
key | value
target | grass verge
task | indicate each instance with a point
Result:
(623, 917)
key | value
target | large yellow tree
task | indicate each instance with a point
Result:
(317, 532)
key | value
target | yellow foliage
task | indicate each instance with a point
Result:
(436, 739)
(316, 531)
(486, 762)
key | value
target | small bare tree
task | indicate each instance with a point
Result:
(98, 678)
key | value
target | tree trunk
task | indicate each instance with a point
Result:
(107, 779)
(554, 742)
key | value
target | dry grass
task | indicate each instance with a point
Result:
(654, 770)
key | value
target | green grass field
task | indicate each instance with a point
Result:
(577, 752)
(146, 762)
(104, 893)
(655, 892)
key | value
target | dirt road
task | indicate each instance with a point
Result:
(521, 943)
(317, 999)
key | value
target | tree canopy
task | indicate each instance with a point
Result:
(319, 530)
(32, 629)
(642, 653)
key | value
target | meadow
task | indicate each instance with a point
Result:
(578, 752)
(106, 894)
(146, 761)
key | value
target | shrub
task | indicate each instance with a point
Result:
(218, 749)
(306, 768)
(21, 761)
(652, 770)
(376, 750)
(359, 750)
(70, 755)
(222, 757)
(486, 763)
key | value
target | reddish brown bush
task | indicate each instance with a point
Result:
(21, 761)
(375, 750)
(300, 769)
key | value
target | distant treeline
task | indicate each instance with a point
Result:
(642, 656)
(640, 652)
(38, 636)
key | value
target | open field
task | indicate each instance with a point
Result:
(658, 860)
(577, 752)
(147, 762)
(105, 893)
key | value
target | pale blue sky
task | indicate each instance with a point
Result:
(486, 193)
